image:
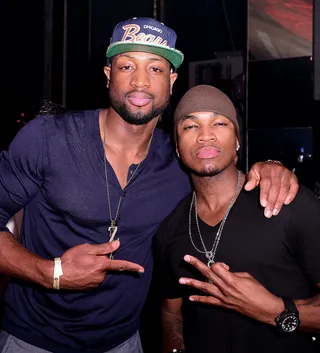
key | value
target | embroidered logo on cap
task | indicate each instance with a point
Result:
(132, 34)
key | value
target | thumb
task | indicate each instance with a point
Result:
(242, 274)
(104, 248)
(225, 266)
(252, 180)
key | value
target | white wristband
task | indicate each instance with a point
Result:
(57, 272)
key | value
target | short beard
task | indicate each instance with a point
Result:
(204, 173)
(138, 118)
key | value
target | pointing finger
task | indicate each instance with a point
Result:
(205, 270)
(122, 265)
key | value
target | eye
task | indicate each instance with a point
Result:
(125, 68)
(220, 123)
(156, 69)
(189, 127)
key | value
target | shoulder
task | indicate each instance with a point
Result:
(305, 205)
(30, 135)
(70, 119)
(164, 143)
(68, 126)
(171, 222)
(163, 148)
(305, 195)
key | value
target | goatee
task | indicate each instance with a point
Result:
(138, 118)
(210, 172)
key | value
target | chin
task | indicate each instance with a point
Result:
(208, 171)
(138, 120)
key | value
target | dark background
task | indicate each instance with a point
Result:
(32, 42)
(38, 61)
(55, 49)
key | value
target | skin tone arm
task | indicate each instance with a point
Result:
(84, 266)
(172, 325)
(241, 292)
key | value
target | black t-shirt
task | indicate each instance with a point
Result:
(282, 253)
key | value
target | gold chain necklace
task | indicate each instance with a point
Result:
(113, 228)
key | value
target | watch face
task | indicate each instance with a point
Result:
(290, 323)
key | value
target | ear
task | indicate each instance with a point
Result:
(173, 77)
(107, 72)
(237, 144)
(177, 151)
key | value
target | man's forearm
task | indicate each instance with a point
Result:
(172, 328)
(309, 313)
(17, 261)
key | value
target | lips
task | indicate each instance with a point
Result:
(207, 152)
(139, 99)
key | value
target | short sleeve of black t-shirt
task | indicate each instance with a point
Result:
(304, 233)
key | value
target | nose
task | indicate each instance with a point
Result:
(140, 78)
(206, 134)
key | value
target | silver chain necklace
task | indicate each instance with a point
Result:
(210, 254)
(113, 228)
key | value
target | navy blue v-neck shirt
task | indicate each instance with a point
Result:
(54, 168)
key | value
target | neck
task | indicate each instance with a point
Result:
(122, 136)
(214, 192)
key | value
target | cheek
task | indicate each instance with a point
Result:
(185, 145)
(118, 80)
(162, 88)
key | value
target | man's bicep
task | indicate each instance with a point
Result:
(21, 170)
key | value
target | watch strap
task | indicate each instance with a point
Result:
(289, 305)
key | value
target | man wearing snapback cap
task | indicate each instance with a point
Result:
(92, 184)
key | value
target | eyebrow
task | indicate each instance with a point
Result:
(151, 58)
(194, 117)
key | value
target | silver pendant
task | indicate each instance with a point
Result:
(113, 231)
(209, 263)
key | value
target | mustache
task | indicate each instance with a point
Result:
(208, 145)
(151, 96)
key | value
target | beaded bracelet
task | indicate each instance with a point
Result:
(274, 161)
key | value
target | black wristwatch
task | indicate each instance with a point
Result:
(288, 320)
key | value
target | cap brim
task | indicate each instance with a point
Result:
(175, 57)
